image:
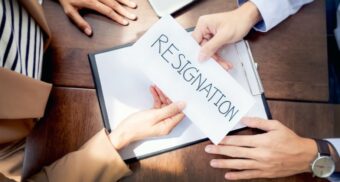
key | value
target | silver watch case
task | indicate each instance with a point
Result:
(323, 166)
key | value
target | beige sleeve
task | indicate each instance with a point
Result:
(22, 97)
(96, 160)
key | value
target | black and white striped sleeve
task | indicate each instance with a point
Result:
(21, 40)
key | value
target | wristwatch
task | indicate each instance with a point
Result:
(323, 166)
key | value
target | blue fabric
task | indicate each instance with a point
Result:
(335, 177)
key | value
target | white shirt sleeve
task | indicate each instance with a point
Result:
(274, 12)
(337, 30)
(335, 142)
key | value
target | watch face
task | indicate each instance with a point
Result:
(323, 166)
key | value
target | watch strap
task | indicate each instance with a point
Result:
(323, 147)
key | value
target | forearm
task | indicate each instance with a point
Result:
(96, 160)
(250, 13)
(119, 139)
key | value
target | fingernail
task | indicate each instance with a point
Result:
(230, 65)
(227, 176)
(132, 16)
(213, 163)
(208, 149)
(181, 105)
(134, 5)
(125, 22)
(224, 65)
(202, 57)
(88, 31)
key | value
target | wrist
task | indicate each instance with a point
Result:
(119, 139)
(250, 13)
(310, 153)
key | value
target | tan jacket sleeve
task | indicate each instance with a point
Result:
(96, 160)
(22, 97)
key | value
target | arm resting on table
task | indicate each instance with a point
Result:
(96, 160)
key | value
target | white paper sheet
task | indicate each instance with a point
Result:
(126, 90)
(165, 7)
(167, 54)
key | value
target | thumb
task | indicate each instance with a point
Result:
(211, 47)
(169, 110)
(197, 34)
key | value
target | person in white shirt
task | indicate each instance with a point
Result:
(279, 151)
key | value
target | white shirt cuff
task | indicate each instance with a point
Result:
(335, 142)
(274, 12)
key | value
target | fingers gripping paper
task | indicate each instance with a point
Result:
(167, 54)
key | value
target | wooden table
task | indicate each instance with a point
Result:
(292, 64)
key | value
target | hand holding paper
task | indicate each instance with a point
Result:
(167, 54)
(157, 121)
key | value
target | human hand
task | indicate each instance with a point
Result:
(215, 30)
(111, 8)
(277, 153)
(158, 121)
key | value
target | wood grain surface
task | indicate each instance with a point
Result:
(292, 57)
(292, 60)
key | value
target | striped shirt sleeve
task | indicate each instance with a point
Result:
(21, 40)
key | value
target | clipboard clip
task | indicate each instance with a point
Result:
(250, 69)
